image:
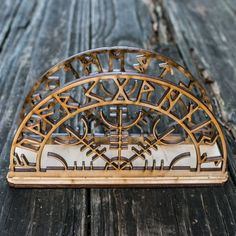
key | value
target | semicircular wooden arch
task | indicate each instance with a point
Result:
(101, 60)
(117, 126)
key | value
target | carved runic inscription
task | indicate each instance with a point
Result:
(128, 116)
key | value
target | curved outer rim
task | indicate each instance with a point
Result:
(62, 63)
(86, 79)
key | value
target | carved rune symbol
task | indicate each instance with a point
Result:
(121, 94)
(92, 95)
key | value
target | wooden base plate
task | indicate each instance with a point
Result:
(113, 178)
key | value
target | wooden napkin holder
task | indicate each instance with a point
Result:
(117, 116)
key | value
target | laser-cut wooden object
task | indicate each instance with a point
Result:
(117, 117)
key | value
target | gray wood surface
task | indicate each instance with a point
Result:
(36, 34)
(205, 36)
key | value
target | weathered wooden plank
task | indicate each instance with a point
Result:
(183, 211)
(197, 215)
(120, 23)
(230, 192)
(163, 198)
(128, 212)
(226, 210)
(216, 222)
(10, 78)
(36, 36)
(31, 214)
(205, 35)
(8, 12)
(41, 33)
(192, 39)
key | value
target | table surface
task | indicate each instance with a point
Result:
(200, 35)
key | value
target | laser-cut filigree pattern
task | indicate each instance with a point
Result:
(126, 110)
